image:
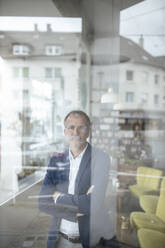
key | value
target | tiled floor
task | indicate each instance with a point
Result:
(23, 226)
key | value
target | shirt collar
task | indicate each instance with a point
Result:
(80, 155)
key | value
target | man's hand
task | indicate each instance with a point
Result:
(78, 215)
(56, 193)
(90, 190)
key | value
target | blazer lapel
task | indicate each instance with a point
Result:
(67, 170)
(83, 165)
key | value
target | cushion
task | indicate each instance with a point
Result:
(149, 203)
(151, 239)
(160, 212)
(141, 190)
(149, 177)
(147, 220)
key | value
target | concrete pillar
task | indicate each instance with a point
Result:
(100, 37)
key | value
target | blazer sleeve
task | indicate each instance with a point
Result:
(80, 202)
(85, 203)
(46, 204)
(100, 176)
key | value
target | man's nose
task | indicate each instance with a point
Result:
(76, 131)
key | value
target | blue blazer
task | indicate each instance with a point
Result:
(93, 170)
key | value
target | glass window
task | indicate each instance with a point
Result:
(145, 58)
(25, 50)
(49, 50)
(53, 72)
(95, 59)
(144, 76)
(25, 72)
(49, 72)
(53, 50)
(16, 49)
(129, 75)
(156, 79)
(129, 97)
(20, 50)
(156, 99)
(58, 50)
(58, 72)
(21, 72)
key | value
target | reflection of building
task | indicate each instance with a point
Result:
(132, 92)
(39, 73)
(100, 17)
(43, 73)
(141, 87)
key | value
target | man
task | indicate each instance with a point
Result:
(74, 187)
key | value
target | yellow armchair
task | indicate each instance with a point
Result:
(149, 203)
(151, 239)
(148, 181)
(151, 221)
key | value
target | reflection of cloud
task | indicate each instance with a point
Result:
(147, 18)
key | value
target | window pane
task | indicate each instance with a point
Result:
(129, 96)
(25, 72)
(49, 72)
(106, 59)
(156, 79)
(156, 99)
(129, 75)
(58, 72)
(145, 76)
(25, 50)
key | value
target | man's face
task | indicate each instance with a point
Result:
(76, 130)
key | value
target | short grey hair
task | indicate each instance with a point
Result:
(81, 113)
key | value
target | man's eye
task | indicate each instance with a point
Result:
(83, 128)
(70, 127)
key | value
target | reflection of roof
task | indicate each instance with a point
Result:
(137, 54)
(37, 42)
(129, 50)
(161, 60)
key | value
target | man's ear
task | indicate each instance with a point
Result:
(89, 132)
(64, 131)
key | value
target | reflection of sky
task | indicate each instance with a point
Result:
(147, 18)
(58, 24)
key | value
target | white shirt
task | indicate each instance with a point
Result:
(68, 227)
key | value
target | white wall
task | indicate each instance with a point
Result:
(138, 86)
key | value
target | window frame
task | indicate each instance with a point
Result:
(128, 77)
(52, 50)
(129, 97)
(20, 49)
